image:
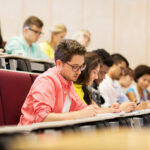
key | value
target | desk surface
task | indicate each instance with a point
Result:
(53, 124)
(112, 139)
(28, 58)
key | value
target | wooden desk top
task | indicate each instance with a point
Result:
(112, 139)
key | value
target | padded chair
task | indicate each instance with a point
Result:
(14, 87)
(1, 114)
(33, 77)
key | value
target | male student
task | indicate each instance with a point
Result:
(109, 88)
(25, 44)
(52, 96)
(107, 63)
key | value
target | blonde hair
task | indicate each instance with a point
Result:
(58, 28)
(82, 32)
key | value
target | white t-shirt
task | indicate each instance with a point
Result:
(111, 92)
(67, 105)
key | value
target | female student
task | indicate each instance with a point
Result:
(58, 32)
(93, 63)
(126, 80)
(138, 92)
(88, 75)
(83, 37)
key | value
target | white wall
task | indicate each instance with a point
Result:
(117, 25)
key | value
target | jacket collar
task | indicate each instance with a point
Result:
(63, 81)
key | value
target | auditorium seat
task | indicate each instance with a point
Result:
(33, 77)
(14, 87)
(1, 114)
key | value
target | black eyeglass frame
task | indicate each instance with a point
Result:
(36, 32)
(76, 68)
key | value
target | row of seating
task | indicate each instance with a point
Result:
(14, 87)
(20, 63)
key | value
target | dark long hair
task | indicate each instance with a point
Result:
(92, 60)
(140, 71)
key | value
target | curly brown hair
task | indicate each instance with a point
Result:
(67, 48)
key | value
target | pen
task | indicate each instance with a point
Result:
(138, 103)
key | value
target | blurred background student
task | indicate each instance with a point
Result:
(138, 92)
(93, 65)
(111, 90)
(126, 80)
(26, 44)
(83, 37)
(58, 32)
(107, 63)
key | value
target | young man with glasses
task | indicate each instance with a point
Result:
(111, 90)
(52, 96)
(25, 44)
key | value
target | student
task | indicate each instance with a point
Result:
(52, 96)
(109, 88)
(86, 78)
(138, 92)
(58, 32)
(25, 44)
(148, 88)
(83, 37)
(93, 65)
(107, 63)
(126, 80)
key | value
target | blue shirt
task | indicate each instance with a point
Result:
(18, 46)
(121, 96)
(134, 90)
(111, 92)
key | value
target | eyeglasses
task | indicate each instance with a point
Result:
(77, 68)
(35, 31)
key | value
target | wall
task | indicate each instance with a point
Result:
(117, 25)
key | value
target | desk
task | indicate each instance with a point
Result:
(100, 118)
(121, 139)
(36, 64)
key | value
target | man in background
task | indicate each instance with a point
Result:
(110, 89)
(25, 44)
